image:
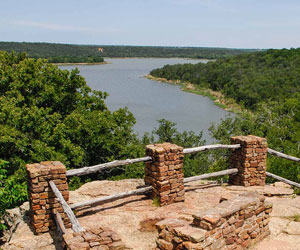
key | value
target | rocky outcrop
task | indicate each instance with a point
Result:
(134, 218)
(19, 234)
(12, 218)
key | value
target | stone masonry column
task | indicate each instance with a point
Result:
(41, 198)
(165, 172)
(250, 159)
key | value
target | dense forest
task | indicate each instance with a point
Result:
(157, 51)
(58, 53)
(250, 79)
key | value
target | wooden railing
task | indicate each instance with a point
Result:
(74, 222)
(295, 184)
(59, 224)
(104, 166)
(100, 167)
(210, 147)
(282, 155)
(113, 164)
(148, 189)
(93, 169)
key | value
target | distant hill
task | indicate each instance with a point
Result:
(56, 53)
(93, 53)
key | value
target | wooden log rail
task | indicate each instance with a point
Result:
(100, 167)
(287, 157)
(145, 190)
(96, 168)
(111, 197)
(74, 222)
(282, 155)
(295, 184)
(210, 175)
(210, 147)
(59, 224)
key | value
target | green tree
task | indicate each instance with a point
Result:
(194, 164)
(51, 114)
(279, 123)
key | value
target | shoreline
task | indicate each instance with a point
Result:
(105, 62)
(153, 57)
(217, 97)
(70, 64)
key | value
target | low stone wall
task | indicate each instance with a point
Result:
(165, 172)
(99, 238)
(233, 224)
(42, 200)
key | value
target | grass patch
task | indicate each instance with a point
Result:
(295, 217)
(155, 202)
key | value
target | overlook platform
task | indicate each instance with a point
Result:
(134, 218)
(164, 211)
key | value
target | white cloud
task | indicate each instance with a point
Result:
(59, 27)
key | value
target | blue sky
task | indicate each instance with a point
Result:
(201, 23)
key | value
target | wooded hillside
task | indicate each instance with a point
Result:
(250, 79)
(94, 53)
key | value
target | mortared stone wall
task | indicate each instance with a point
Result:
(165, 172)
(250, 159)
(233, 224)
(42, 200)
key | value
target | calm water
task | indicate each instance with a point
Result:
(148, 100)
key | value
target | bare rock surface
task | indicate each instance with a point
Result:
(268, 190)
(293, 228)
(285, 222)
(133, 218)
(20, 235)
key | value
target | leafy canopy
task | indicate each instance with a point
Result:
(51, 114)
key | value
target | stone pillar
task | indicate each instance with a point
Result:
(165, 172)
(41, 198)
(250, 159)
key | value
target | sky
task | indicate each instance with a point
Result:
(199, 23)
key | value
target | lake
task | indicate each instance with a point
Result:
(149, 100)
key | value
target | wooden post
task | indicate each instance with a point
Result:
(250, 160)
(165, 172)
